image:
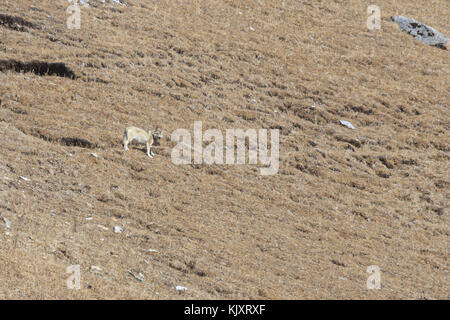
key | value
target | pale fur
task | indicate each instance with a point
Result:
(141, 136)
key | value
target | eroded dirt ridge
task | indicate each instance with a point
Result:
(38, 67)
(15, 23)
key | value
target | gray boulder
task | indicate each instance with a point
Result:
(424, 33)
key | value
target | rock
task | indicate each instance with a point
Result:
(96, 269)
(347, 124)
(118, 229)
(424, 33)
(121, 2)
(94, 155)
(24, 178)
(84, 3)
(139, 276)
(180, 288)
(7, 222)
(94, 3)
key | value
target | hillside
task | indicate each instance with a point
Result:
(341, 201)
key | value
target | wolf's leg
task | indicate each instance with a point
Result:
(125, 142)
(149, 149)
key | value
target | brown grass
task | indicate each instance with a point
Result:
(343, 199)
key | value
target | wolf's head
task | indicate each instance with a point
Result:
(157, 134)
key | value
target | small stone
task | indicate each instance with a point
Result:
(138, 276)
(347, 124)
(118, 229)
(7, 222)
(96, 269)
(180, 288)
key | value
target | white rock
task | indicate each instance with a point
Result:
(7, 222)
(82, 2)
(347, 124)
(138, 276)
(96, 269)
(94, 155)
(180, 288)
(118, 229)
(24, 178)
(121, 2)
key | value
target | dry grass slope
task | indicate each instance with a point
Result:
(343, 199)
